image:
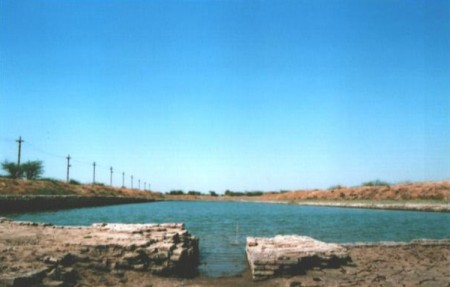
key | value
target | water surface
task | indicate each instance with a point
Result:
(223, 226)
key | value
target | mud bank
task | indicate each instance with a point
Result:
(31, 203)
(436, 207)
(57, 256)
(406, 206)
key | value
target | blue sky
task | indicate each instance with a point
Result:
(240, 95)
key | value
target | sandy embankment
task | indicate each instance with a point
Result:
(23, 196)
(41, 195)
(418, 196)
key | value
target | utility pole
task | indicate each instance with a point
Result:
(139, 184)
(20, 141)
(123, 179)
(145, 186)
(68, 167)
(131, 182)
(110, 176)
(93, 178)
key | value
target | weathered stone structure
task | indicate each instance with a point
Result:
(162, 249)
(291, 255)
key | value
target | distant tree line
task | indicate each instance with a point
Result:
(176, 192)
(376, 182)
(240, 193)
(227, 193)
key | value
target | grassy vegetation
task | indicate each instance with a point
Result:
(176, 192)
(49, 179)
(105, 193)
(376, 182)
(335, 187)
(193, 192)
(278, 192)
(246, 193)
(74, 182)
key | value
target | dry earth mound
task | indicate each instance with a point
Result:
(408, 191)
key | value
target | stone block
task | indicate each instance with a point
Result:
(30, 278)
(291, 255)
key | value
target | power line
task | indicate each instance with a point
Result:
(39, 150)
(36, 148)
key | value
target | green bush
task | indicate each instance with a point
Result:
(13, 170)
(233, 193)
(253, 193)
(49, 179)
(32, 169)
(192, 192)
(337, 186)
(74, 182)
(176, 192)
(240, 193)
(375, 183)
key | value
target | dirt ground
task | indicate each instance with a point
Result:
(28, 249)
(409, 265)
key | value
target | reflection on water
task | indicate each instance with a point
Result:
(223, 226)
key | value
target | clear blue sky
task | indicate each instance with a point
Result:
(240, 95)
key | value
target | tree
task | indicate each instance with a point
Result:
(193, 192)
(32, 169)
(13, 170)
(176, 192)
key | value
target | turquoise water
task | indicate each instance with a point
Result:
(223, 226)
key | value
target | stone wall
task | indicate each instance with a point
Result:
(162, 249)
(291, 255)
